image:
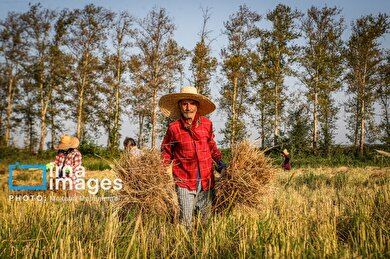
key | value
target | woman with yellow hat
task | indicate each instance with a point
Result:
(68, 160)
(68, 155)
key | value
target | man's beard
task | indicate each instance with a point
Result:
(188, 114)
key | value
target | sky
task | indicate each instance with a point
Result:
(187, 16)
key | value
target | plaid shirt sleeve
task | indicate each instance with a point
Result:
(216, 154)
(77, 160)
(167, 148)
(58, 160)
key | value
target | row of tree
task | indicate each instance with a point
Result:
(93, 66)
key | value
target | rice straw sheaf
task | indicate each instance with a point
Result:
(246, 180)
(147, 187)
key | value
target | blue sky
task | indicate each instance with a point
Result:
(187, 16)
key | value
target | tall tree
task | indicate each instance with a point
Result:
(27, 111)
(322, 66)
(114, 73)
(60, 63)
(363, 60)
(85, 40)
(262, 95)
(203, 65)
(39, 25)
(160, 56)
(240, 30)
(383, 95)
(12, 50)
(3, 105)
(280, 53)
(140, 99)
(299, 125)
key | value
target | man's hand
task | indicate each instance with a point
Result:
(220, 166)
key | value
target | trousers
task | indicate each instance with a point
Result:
(198, 201)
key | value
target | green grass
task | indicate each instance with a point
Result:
(311, 213)
(96, 158)
(96, 163)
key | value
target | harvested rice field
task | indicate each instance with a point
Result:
(324, 212)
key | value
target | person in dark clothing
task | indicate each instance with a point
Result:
(286, 160)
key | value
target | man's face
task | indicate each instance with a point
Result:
(188, 108)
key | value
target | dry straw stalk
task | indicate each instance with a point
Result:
(246, 180)
(146, 185)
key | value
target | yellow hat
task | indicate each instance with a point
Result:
(285, 152)
(169, 102)
(67, 142)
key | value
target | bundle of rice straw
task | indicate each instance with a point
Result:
(246, 180)
(147, 186)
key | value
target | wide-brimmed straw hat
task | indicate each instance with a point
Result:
(285, 152)
(67, 142)
(169, 102)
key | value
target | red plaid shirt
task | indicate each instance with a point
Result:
(188, 153)
(72, 159)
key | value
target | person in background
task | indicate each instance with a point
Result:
(131, 146)
(68, 155)
(189, 144)
(68, 158)
(286, 160)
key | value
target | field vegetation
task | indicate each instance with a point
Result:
(99, 158)
(339, 212)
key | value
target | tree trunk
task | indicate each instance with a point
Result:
(155, 90)
(44, 105)
(233, 127)
(315, 120)
(362, 135)
(1, 126)
(117, 96)
(53, 129)
(9, 111)
(385, 109)
(43, 129)
(154, 118)
(276, 121)
(356, 133)
(278, 85)
(80, 112)
(262, 134)
(315, 114)
(80, 121)
(31, 134)
(363, 108)
(141, 118)
(325, 131)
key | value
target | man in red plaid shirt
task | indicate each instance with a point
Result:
(189, 144)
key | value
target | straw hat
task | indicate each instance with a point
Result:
(285, 152)
(169, 102)
(67, 142)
